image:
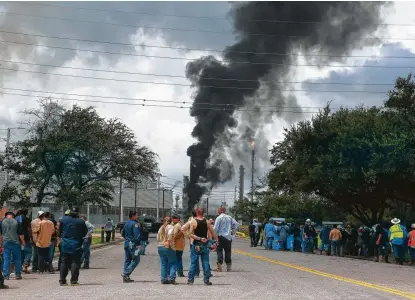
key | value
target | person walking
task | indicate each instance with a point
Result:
(179, 244)
(132, 247)
(72, 231)
(86, 246)
(199, 229)
(109, 226)
(44, 232)
(165, 238)
(397, 236)
(411, 244)
(225, 228)
(2, 285)
(325, 240)
(13, 240)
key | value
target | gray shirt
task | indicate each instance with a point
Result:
(10, 230)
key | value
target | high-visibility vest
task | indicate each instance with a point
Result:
(411, 239)
(396, 232)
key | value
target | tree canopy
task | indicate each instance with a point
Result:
(359, 159)
(73, 155)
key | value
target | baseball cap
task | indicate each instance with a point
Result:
(74, 210)
(40, 212)
(67, 212)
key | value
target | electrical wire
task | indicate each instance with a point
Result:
(192, 59)
(199, 86)
(201, 77)
(207, 49)
(185, 29)
(188, 16)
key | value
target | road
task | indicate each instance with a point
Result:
(256, 274)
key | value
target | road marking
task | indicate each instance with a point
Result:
(328, 275)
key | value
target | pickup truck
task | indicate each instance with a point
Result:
(149, 221)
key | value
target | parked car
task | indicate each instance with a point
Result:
(149, 221)
(120, 226)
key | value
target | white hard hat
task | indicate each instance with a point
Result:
(308, 220)
(40, 213)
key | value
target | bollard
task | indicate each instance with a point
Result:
(102, 235)
(113, 235)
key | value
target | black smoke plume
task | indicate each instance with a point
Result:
(255, 66)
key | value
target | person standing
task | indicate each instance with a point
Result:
(309, 236)
(252, 233)
(54, 240)
(44, 232)
(132, 247)
(13, 238)
(179, 244)
(325, 240)
(24, 222)
(411, 244)
(144, 234)
(35, 228)
(165, 238)
(397, 236)
(382, 242)
(336, 239)
(269, 232)
(86, 246)
(199, 229)
(72, 231)
(225, 228)
(2, 285)
(109, 226)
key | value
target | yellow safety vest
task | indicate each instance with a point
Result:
(396, 232)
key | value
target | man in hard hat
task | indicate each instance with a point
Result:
(397, 236)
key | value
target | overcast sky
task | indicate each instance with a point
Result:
(165, 130)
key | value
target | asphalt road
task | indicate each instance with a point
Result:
(256, 274)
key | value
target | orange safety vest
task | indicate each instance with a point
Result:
(411, 239)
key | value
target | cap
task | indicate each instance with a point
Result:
(74, 210)
(67, 212)
(40, 212)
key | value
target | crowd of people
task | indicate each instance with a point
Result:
(203, 237)
(25, 243)
(379, 242)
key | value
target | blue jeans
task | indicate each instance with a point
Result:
(412, 253)
(307, 245)
(194, 262)
(324, 247)
(179, 261)
(335, 247)
(167, 263)
(86, 254)
(131, 260)
(10, 249)
(268, 243)
(143, 247)
(51, 252)
(27, 254)
(398, 251)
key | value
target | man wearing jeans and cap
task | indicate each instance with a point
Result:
(2, 285)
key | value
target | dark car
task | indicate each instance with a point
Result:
(149, 221)
(120, 226)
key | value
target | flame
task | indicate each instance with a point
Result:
(252, 143)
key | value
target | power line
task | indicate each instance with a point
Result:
(190, 16)
(180, 76)
(205, 49)
(192, 59)
(200, 86)
(183, 29)
(154, 105)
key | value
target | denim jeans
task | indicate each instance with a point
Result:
(179, 261)
(131, 260)
(51, 253)
(324, 247)
(143, 247)
(268, 243)
(14, 249)
(307, 245)
(194, 262)
(167, 263)
(43, 254)
(412, 253)
(335, 247)
(70, 261)
(27, 254)
(86, 254)
(398, 251)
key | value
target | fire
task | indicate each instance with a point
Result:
(252, 144)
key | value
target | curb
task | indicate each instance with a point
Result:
(98, 246)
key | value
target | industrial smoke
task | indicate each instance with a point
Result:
(251, 73)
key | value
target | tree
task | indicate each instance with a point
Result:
(347, 157)
(75, 158)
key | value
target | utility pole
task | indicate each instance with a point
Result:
(252, 178)
(241, 183)
(163, 205)
(158, 198)
(120, 214)
(234, 197)
(6, 172)
(135, 196)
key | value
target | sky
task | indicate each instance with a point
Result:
(126, 63)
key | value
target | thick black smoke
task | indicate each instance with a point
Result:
(255, 68)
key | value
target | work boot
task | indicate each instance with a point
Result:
(25, 269)
(86, 267)
(3, 286)
(228, 267)
(208, 282)
(18, 277)
(180, 274)
(387, 260)
(219, 267)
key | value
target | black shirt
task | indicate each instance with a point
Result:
(201, 229)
